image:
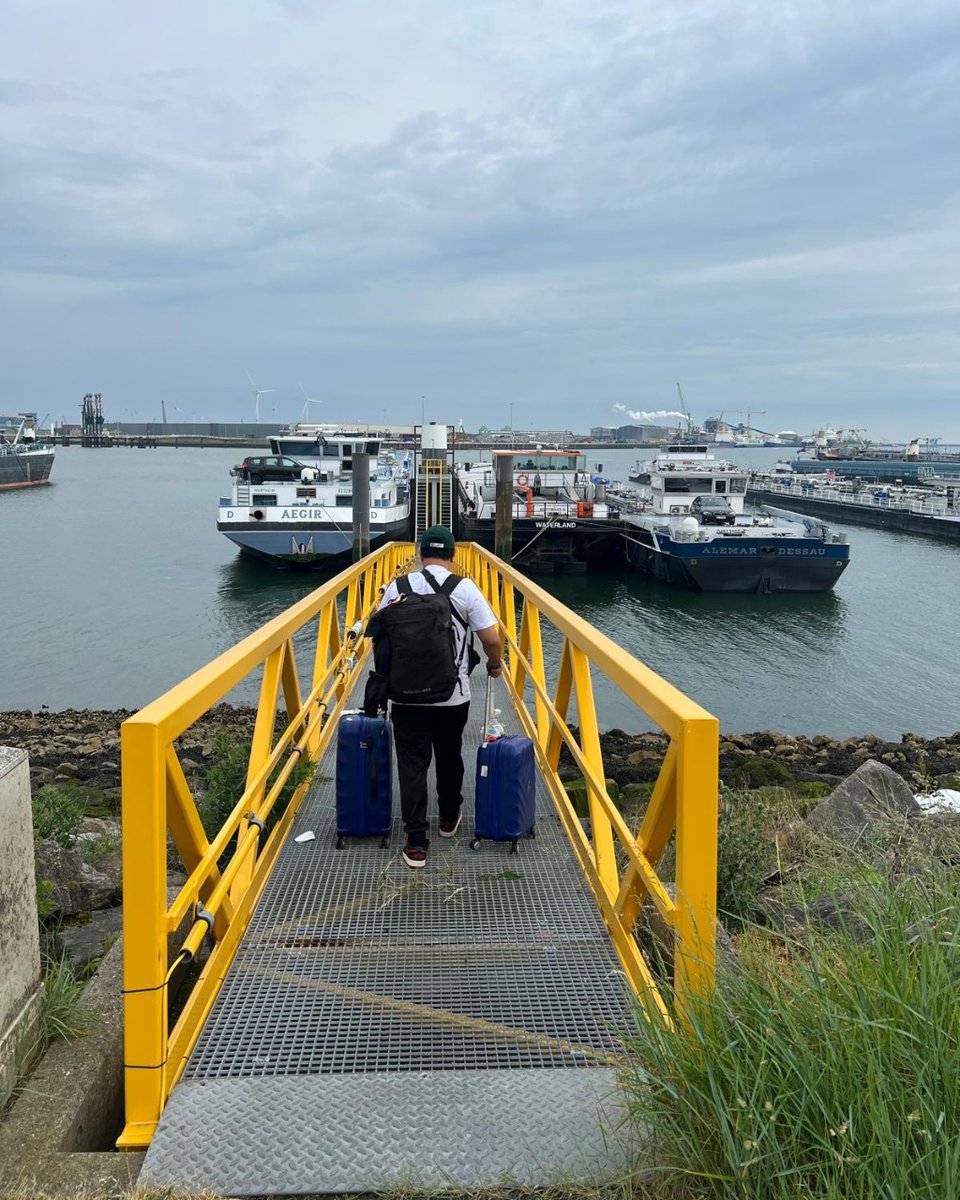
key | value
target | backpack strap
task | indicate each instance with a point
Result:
(403, 585)
(446, 589)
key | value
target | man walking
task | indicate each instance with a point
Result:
(422, 731)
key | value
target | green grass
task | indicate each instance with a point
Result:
(63, 1014)
(226, 781)
(827, 1069)
(57, 813)
(95, 850)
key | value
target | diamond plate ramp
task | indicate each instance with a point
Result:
(362, 1133)
(380, 1027)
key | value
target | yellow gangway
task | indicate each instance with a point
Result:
(295, 722)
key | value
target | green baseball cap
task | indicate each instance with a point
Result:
(436, 538)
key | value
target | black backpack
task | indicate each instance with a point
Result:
(415, 648)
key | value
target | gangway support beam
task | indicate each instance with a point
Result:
(696, 824)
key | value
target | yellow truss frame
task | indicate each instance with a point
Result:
(684, 797)
(157, 800)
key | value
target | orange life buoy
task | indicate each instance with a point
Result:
(522, 478)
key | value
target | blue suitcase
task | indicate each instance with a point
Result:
(506, 787)
(364, 777)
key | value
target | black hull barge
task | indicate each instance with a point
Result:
(757, 564)
(561, 520)
(691, 530)
(24, 460)
(559, 547)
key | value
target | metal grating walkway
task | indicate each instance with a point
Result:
(382, 1028)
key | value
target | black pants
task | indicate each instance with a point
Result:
(421, 731)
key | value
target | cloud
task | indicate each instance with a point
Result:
(758, 199)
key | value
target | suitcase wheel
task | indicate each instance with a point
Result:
(514, 848)
(532, 831)
(385, 841)
(474, 843)
(339, 842)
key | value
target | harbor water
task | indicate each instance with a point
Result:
(116, 585)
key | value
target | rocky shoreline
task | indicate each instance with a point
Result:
(83, 746)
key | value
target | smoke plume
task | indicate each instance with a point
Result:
(648, 416)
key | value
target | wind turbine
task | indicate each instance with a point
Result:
(307, 400)
(257, 392)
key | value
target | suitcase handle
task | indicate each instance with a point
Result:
(492, 729)
(488, 703)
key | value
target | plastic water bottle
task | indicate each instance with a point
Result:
(494, 728)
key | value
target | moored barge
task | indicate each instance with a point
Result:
(691, 530)
(25, 461)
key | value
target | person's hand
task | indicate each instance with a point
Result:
(495, 670)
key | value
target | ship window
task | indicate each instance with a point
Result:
(344, 501)
(721, 485)
(738, 485)
(264, 499)
(305, 492)
(331, 451)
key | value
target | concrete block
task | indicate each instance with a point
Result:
(20, 987)
(56, 1141)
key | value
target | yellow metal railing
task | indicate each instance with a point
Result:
(157, 800)
(684, 798)
(218, 899)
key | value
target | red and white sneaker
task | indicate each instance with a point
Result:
(448, 828)
(415, 856)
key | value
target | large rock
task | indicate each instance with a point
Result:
(873, 793)
(83, 945)
(659, 938)
(87, 874)
(831, 912)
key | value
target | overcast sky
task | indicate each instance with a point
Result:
(562, 206)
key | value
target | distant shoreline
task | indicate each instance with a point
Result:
(82, 746)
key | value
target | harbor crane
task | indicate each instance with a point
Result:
(686, 414)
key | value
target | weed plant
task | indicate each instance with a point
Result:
(227, 779)
(63, 1014)
(826, 1069)
(57, 813)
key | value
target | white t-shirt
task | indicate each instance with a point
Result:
(469, 602)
